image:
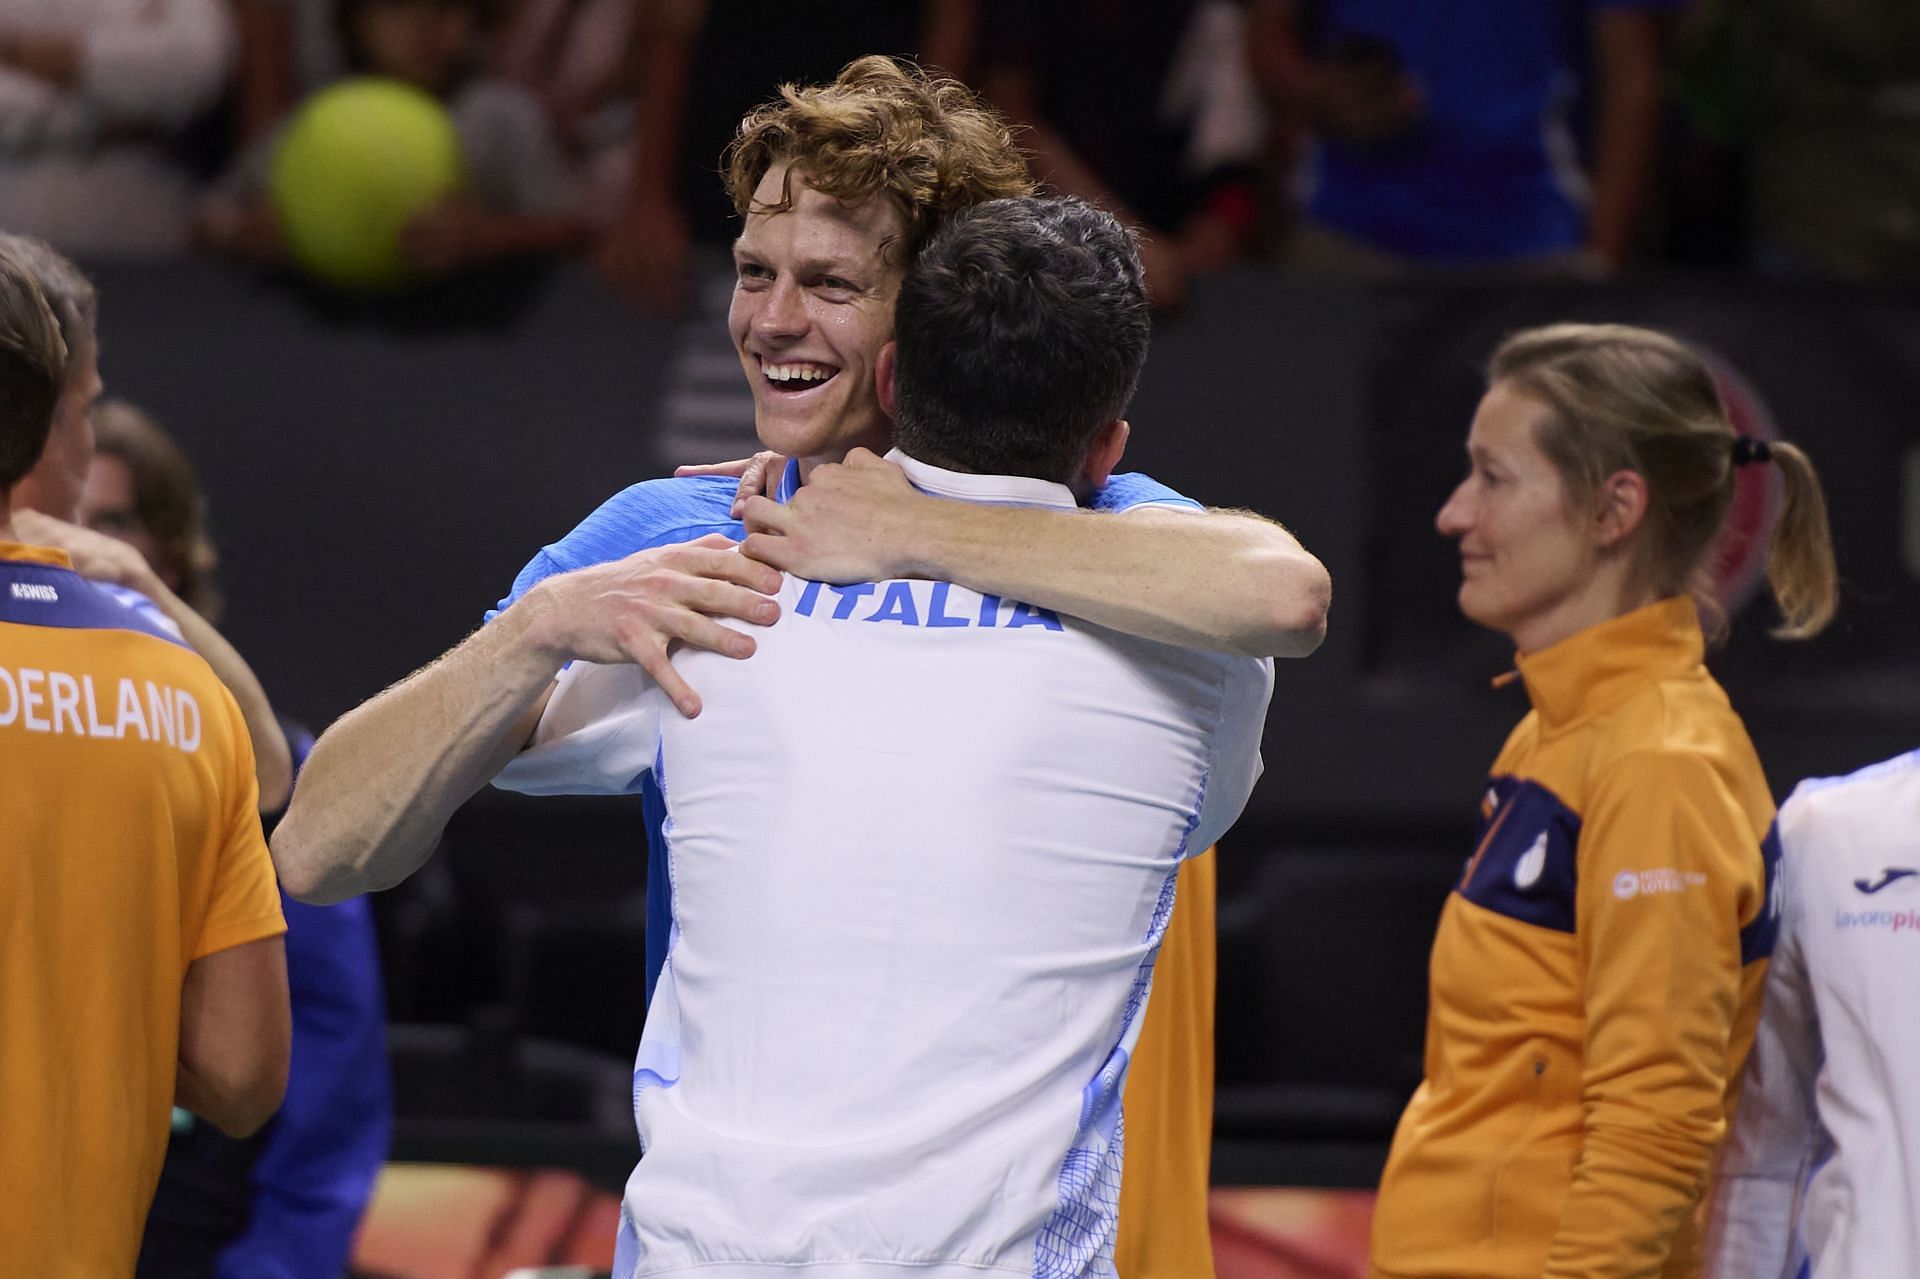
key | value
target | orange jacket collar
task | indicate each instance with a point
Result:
(1603, 665)
(21, 553)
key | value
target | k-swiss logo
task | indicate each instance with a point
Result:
(36, 592)
(1887, 876)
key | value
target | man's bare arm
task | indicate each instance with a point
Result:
(235, 1036)
(1224, 580)
(382, 781)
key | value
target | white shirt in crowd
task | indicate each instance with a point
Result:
(91, 167)
(922, 849)
(1819, 1176)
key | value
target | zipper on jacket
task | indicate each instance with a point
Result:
(1531, 1112)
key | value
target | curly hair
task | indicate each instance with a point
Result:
(883, 127)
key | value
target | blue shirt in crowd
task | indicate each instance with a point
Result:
(1492, 170)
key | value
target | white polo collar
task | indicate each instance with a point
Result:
(1008, 490)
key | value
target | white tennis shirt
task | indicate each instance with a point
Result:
(922, 850)
(1821, 1172)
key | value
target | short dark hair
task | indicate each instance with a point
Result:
(33, 368)
(1020, 331)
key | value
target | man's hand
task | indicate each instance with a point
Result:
(851, 523)
(758, 476)
(636, 609)
(95, 556)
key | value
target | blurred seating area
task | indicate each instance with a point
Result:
(515, 975)
(1353, 139)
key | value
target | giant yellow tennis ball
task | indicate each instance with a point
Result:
(356, 162)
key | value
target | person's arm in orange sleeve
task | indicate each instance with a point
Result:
(1664, 881)
(236, 1027)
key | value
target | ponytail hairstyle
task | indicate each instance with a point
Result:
(1630, 399)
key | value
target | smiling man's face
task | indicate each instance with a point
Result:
(813, 298)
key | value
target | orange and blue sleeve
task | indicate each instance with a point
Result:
(244, 905)
(1668, 873)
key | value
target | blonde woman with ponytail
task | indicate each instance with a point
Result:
(1596, 976)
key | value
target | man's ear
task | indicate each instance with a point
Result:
(1621, 508)
(1108, 446)
(883, 379)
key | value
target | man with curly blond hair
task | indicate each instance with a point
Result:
(837, 186)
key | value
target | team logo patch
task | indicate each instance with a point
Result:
(1891, 874)
(1526, 871)
(1629, 884)
(1524, 864)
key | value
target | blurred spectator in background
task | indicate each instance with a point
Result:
(285, 1201)
(573, 56)
(1146, 107)
(288, 49)
(1834, 136)
(96, 97)
(1448, 136)
(697, 69)
(269, 80)
(520, 200)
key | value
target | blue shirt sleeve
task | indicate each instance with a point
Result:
(324, 1149)
(1126, 491)
(326, 1146)
(645, 515)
